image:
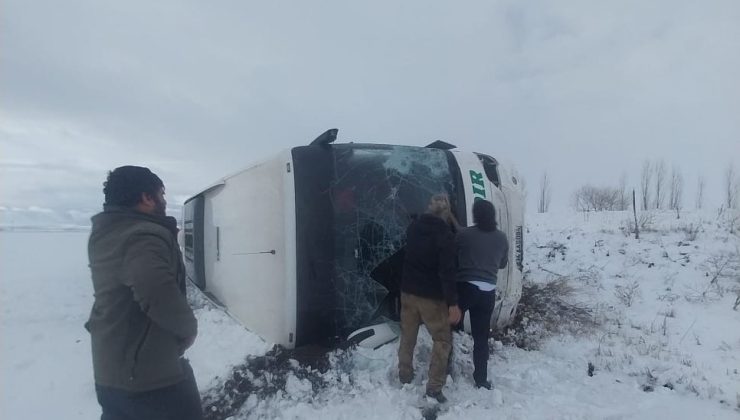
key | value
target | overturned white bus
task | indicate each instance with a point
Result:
(306, 248)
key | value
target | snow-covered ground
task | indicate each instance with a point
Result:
(667, 343)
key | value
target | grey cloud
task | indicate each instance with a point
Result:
(584, 90)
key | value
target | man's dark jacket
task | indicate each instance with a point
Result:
(141, 318)
(429, 263)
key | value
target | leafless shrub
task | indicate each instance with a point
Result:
(664, 325)
(645, 348)
(590, 276)
(702, 293)
(650, 381)
(690, 231)
(544, 310)
(718, 269)
(555, 249)
(668, 313)
(669, 297)
(590, 198)
(692, 387)
(729, 220)
(602, 349)
(627, 293)
(627, 227)
(732, 224)
(645, 222)
(720, 211)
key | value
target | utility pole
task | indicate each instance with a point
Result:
(634, 210)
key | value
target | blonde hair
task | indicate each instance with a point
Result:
(439, 205)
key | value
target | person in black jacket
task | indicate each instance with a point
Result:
(428, 293)
(482, 250)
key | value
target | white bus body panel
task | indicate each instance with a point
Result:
(250, 248)
(514, 232)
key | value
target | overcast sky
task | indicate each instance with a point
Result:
(585, 90)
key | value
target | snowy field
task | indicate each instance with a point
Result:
(665, 340)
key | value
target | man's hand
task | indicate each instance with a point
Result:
(455, 315)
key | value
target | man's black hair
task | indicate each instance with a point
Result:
(484, 215)
(126, 183)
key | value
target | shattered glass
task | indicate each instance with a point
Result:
(375, 193)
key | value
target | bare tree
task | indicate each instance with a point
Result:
(645, 181)
(545, 195)
(660, 175)
(700, 184)
(676, 193)
(590, 198)
(731, 187)
(623, 199)
(634, 212)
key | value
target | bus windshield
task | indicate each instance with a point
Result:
(372, 192)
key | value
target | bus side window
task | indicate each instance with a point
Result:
(490, 166)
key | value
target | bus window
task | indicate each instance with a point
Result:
(490, 165)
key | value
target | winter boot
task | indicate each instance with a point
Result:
(405, 377)
(437, 395)
(484, 384)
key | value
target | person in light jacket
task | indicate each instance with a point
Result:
(482, 250)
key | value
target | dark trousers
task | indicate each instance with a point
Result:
(479, 304)
(180, 401)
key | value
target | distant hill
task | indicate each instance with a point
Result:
(43, 219)
(35, 218)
